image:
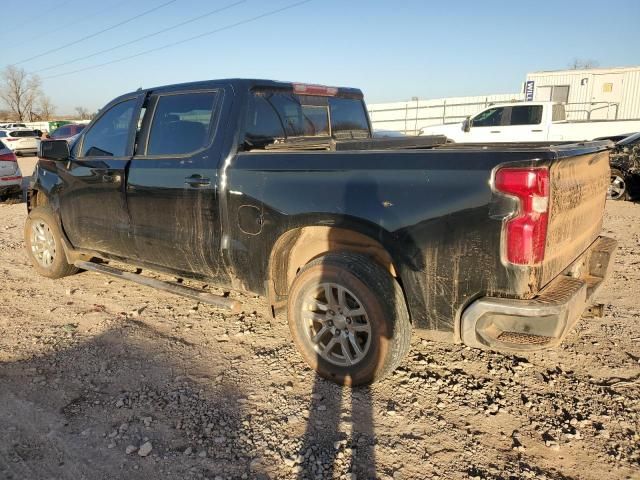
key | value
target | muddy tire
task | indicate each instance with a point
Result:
(349, 319)
(43, 242)
(618, 186)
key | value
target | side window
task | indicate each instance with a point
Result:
(489, 118)
(109, 135)
(526, 115)
(181, 123)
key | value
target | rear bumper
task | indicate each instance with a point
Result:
(11, 185)
(543, 322)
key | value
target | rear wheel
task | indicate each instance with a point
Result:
(348, 318)
(617, 186)
(43, 242)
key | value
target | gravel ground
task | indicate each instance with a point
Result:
(104, 379)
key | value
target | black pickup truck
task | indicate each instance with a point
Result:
(279, 189)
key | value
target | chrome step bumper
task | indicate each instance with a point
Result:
(542, 322)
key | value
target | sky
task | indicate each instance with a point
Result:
(392, 50)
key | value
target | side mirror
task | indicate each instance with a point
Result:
(466, 124)
(57, 150)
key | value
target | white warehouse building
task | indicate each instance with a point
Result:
(593, 94)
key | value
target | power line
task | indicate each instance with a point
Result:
(97, 33)
(144, 37)
(66, 24)
(37, 17)
(195, 37)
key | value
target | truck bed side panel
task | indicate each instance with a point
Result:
(431, 210)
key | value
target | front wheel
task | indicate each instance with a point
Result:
(348, 318)
(43, 242)
(617, 186)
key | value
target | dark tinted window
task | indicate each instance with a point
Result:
(489, 118)
(63, 131)
(109, 135)
(348, 118)
(23, 133)
(526, 115)
(181, 123)
(281, 115)
(263, 123)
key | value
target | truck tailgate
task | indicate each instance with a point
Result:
(578, 193)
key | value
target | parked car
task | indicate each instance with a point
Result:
(529, 122)
(21, 141)
(67, 131)
(625, 169)
(279, 189)
(10, 175)
(13, 125)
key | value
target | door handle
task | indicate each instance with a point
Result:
(197, 181)
(106, 178)
(496, 131)
(536, 130)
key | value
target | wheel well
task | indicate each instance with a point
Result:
(299, 246)
(36, 198)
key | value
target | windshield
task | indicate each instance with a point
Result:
(278, 115)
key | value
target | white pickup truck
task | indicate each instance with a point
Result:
(529, 122)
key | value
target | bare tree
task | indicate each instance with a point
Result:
(580, 64)
(46, 107)
(83, 113)
(20, 91)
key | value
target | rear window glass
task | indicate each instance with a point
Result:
(62, 131)
(526, 115)
(274, 115)
(181, 123)
(23, 133)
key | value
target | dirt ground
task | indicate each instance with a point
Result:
(102, 379)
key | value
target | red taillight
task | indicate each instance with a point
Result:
(8, 157)
(526, 233)
(12, 139)
(320, 90)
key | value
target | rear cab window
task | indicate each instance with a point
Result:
(276, 116)
(182, 123)
(526, 115)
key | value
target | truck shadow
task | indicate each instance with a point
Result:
(72, 413)
(340, 436)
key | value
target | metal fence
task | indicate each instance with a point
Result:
(409, 119)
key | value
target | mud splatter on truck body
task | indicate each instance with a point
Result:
(429, 213)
